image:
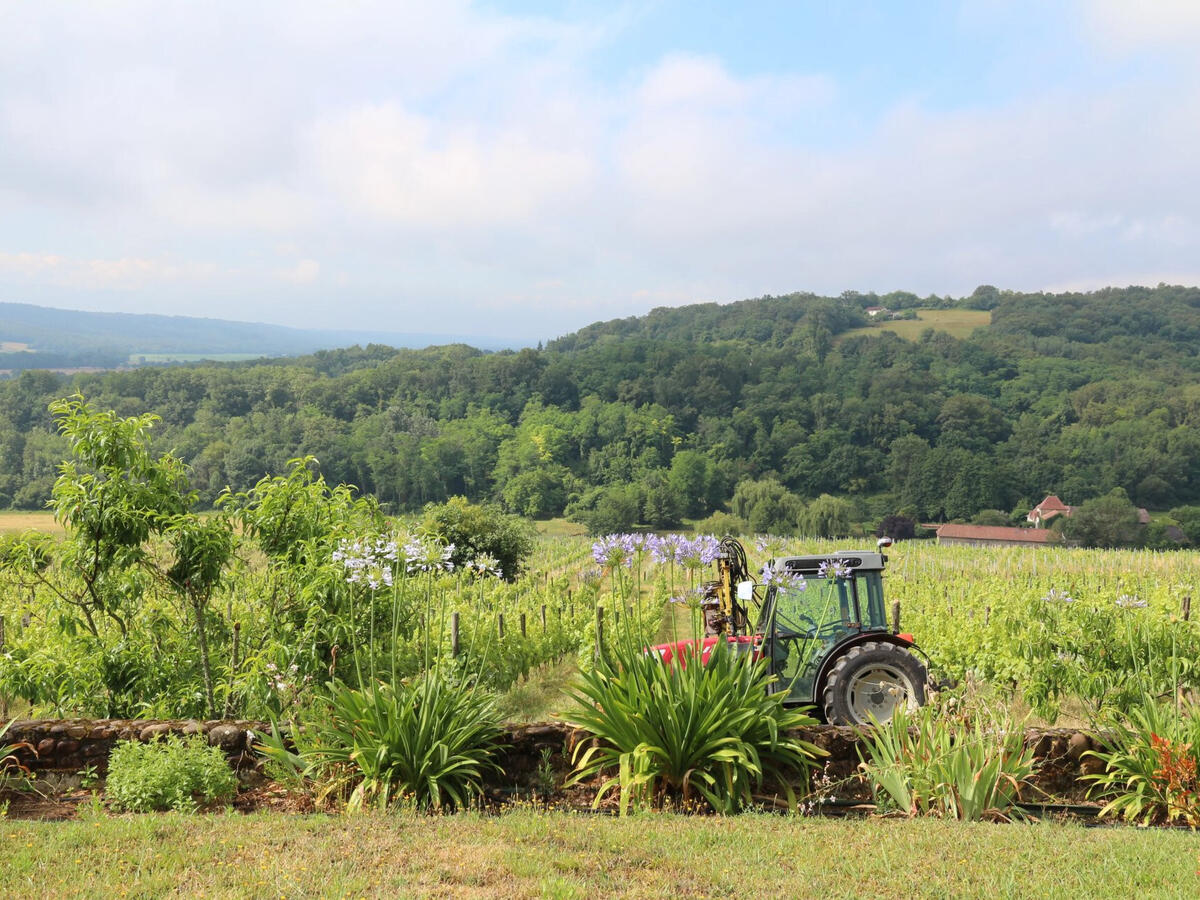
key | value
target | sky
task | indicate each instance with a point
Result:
(518, 169)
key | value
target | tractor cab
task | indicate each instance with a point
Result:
(816, 605)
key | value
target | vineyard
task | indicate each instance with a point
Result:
(1064, 631)
(386, 653)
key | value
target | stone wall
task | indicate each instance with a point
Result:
(70, 745)
(531, 756)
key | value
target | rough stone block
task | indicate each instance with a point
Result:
(158, 729)
(230, 738)
(1077, 745)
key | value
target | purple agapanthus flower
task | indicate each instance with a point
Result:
(769, 544)
(833, 568)
(614, 550)
(665, 549)
(778, 576)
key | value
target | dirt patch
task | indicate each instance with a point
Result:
(43, 807)
(61, 806)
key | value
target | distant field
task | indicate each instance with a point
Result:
(137, 359)
(14, 520)
(560, 528)
(956, 322)
(14, 347)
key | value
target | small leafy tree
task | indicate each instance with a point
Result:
(828, 517)
(481, 530)
(298, 515)
(1188, 519)
(767, 506)
(608, 510)
(111, 497)
(898, 527)
(203, 550)
(1108, 521)
(991, 517)
(298, 521)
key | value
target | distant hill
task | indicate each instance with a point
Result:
(976, 406)
(770, 321)
(43, 337)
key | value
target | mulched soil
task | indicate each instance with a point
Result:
(44, 808)
(58, 806)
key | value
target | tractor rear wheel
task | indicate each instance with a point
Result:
(871, 681)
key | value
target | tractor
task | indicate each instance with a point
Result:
(822, 628)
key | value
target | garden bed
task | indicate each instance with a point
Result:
(64, 756)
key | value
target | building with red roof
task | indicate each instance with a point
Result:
(1047, 510)
(994, 536)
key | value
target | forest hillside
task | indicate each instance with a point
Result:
(761, 407)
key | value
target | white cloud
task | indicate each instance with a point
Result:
(304, 272)
(681, 81)
(445, 161)
(125, 273)
(1127, 25)
(404, 168)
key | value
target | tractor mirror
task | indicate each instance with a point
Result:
(745, 590)
(883, 542)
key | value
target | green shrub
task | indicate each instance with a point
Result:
(172, 773)
(966, 767)
(687, 734)
(721, 523)
(474, 530)
(429, 740)
(1152, 764)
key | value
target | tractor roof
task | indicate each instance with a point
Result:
(857, 560)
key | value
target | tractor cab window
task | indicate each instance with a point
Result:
(814, 608)
(802, 621)
(876, 614)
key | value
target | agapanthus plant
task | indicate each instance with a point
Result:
(1056, 596)
(833, 568)
(780, 577)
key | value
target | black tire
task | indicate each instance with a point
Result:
(871, 680)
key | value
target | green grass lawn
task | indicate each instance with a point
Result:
(531, 854)
(957, 322)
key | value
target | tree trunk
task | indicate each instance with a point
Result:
(198, 609)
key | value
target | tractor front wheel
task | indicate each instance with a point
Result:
(871, 681)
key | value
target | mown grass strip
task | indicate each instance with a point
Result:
(532, 854)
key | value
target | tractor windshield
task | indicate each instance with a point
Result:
(800, 623)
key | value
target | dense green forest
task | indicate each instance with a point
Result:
(760, 408)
